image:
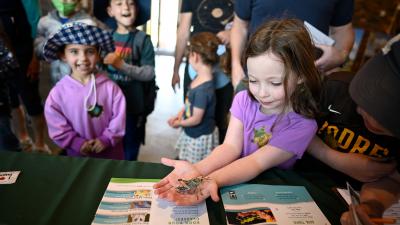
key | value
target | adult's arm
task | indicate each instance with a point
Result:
(238, 41)
(334, 56)
(182, 38)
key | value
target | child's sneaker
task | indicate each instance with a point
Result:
(26, 145)
(45, 150)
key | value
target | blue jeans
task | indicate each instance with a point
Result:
(131, 139)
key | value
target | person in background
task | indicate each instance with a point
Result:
(8, 69)
(375, 90)
(100, 8)
(199, 136)
(271, 124)
(63, 12)
(130, 66)
(344, 148)
(13, 16)
(206, 16)
(85, 111)
(332, 17)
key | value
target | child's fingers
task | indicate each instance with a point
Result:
(163, 189)
(214, 195)
(168, 162)
(161, 183)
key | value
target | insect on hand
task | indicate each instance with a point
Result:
(190, 186)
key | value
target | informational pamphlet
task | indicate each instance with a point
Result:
(132, 201)
(270, 204)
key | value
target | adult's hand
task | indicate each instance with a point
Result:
(331, 58)
(224, 36)
(237, 75)
(175, 80)
(182, 170)
(348, 219)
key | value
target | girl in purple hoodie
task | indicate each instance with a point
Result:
(85, 111)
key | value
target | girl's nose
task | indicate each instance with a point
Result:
(263, 91)
(83, 56)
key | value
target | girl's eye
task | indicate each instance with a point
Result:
(73, 51)
(252, 81)
(276, 83)
(91, 51)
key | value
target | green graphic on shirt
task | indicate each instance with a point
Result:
(261, 137)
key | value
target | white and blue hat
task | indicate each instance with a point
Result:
(77, 33)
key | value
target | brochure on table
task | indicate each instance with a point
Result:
(270, 204)
(132, 201)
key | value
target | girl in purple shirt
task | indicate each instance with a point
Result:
(85, 111)
(271, 123)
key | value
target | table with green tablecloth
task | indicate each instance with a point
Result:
(64, 190)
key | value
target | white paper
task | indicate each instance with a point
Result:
(132, 201)
(8, 177)
(317, 36)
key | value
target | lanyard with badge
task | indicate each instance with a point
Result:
(95, 109)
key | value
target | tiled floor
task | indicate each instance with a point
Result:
(160, 138)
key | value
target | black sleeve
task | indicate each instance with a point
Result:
(343, 13)
(186, 6)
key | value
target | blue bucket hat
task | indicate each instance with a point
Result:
(78, 33)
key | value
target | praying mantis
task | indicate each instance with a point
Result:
(190, 186)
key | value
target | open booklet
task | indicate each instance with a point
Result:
(270, 204)
(132, 201)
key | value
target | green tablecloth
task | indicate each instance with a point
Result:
(64, 190)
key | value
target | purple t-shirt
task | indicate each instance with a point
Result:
(292, 133)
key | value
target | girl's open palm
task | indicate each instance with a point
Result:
(183, 170)
(206, 189)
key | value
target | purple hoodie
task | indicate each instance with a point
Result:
(70, 125)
